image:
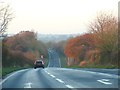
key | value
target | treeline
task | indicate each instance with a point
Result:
(22, 49)
(97, 47)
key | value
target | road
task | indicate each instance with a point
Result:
(55, 77)
(54, 60)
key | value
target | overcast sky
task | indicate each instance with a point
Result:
(57, 16)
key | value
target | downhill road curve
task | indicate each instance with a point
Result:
(55, 77)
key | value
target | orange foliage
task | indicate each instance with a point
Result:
(78, 44)
(83, 63)
(29, 55)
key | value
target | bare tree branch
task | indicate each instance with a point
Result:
(5, 18)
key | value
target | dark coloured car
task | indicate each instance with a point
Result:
(38, 64)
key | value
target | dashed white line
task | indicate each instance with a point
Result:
(60, 80)
(48, 73)
(45, 71)
(52, 76)
(69, 86)
(105, 79)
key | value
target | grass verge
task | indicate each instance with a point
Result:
(7, 70)
(46, 61)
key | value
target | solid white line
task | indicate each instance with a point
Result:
(69, 86)
(52, 76)
(60, 80)
(104, 82)
(11, 76)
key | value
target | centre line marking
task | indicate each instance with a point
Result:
(48, 73)
(45, 71)
(60, 80)
(52, 76)
(69, 86)
(105, 80)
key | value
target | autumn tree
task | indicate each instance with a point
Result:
(21, 49)
(76, 47)
(105, 28)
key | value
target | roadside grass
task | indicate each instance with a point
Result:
(7, 70)
(46, 61)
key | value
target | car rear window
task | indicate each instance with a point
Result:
(38, 61)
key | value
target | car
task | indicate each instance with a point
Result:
(38, 64)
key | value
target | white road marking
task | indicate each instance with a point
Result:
(48, 73)
(45, 71)
(11, 76)
(69, 86)
(60, 80)
(92, 72)
(104, 74)
(52, 76)
(28, 85)
(104, 81)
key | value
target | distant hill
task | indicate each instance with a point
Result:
(54, 37)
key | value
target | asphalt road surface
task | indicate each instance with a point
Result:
(54, 59)
(55, 77)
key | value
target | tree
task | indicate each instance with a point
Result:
(5, 18)
(105, 28)
(77, 47)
